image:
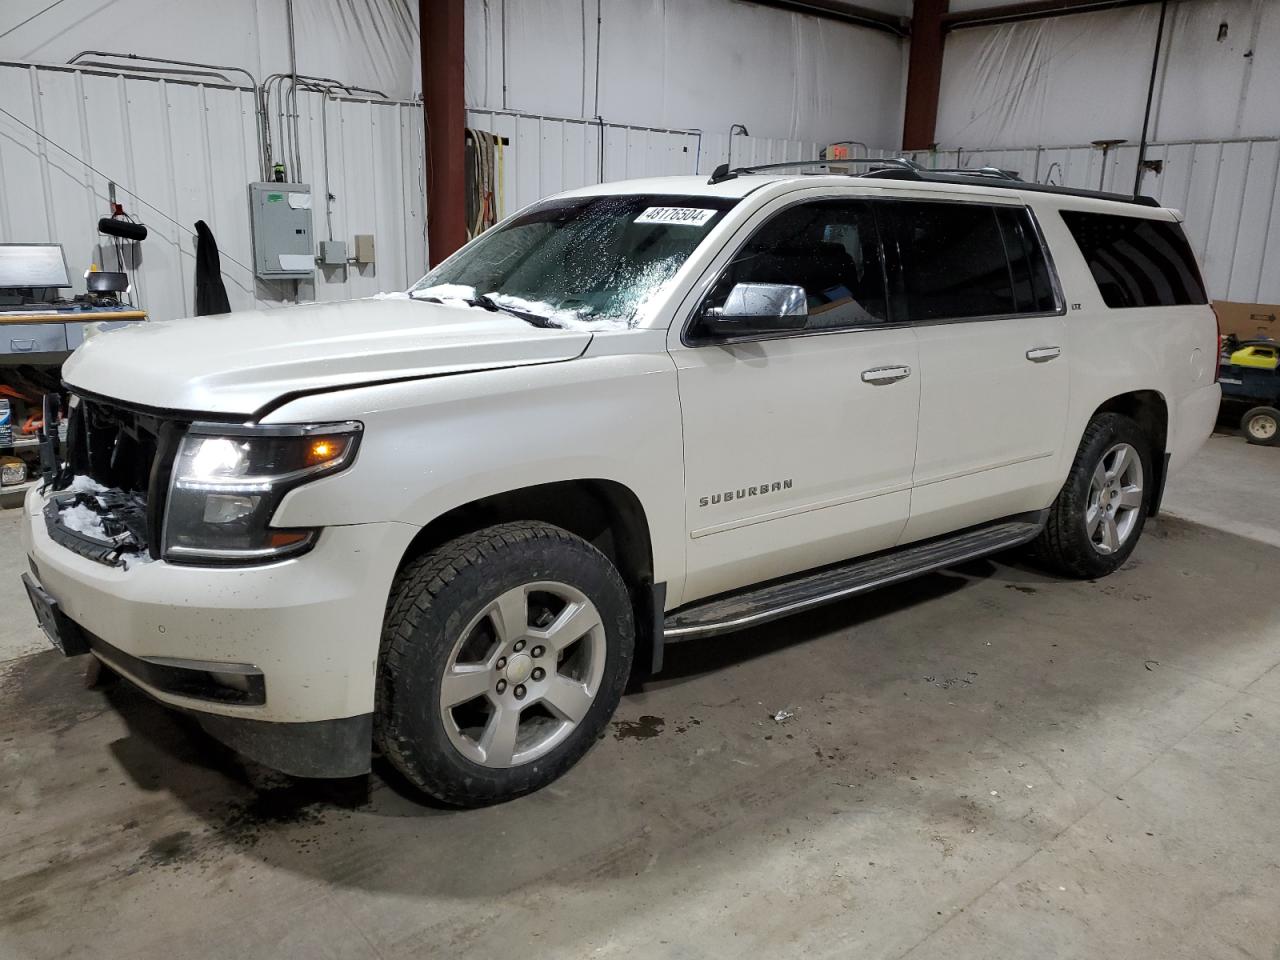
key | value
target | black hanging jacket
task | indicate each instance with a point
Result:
(211, 295)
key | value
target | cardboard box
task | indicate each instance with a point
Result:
(1249, 321)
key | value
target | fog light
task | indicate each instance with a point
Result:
(232, 681)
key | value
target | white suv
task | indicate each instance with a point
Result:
(451, 524)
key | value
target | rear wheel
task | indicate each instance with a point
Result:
(1261, 425)
(504, 654)
(1099, 514)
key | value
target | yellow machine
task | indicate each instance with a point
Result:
(1261, 356)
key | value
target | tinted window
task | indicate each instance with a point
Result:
(1032, 290)
(1137, 262)
(830, 248)
(953, 260)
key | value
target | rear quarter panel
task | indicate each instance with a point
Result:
(1169, 350)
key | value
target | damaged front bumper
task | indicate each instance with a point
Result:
(278, 661)
(107, 526)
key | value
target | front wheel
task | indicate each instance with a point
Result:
(1261, 425)
(1096, 520)
(504, 654)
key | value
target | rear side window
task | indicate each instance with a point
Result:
(966, 260)
(1137, 262)
(953, 260)
(1032, 289)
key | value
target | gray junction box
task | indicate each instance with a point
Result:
(280, 217)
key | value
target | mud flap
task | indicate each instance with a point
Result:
(321, 748)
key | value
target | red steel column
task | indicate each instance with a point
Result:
(924, 74)
(440, 22)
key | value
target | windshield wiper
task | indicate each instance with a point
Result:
(486, 302)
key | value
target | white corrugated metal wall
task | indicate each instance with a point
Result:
(749, 150)
(544, 155)
(189, 150)
(1226, 190)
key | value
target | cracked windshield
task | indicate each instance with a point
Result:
(584, 262)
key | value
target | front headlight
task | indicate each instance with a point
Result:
(228, 480)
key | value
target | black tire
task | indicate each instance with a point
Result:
(433, 599)
(1065, 546)
(1254, 425)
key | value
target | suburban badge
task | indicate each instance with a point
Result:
(742, 493)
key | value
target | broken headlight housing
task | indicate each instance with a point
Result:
(228, 481)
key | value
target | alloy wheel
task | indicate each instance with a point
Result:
(523, 674)
(1115, 498)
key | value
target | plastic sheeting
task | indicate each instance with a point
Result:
(189, 151)
(1079, 78)
(372, 43)
(694, 64)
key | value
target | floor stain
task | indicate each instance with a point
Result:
(289, 804)
(646, 728)
(948, 683)
(1021, 588)
(169, 849)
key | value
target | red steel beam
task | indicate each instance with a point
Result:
(924, 74)
(441, 24)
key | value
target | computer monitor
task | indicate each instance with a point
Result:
(32, 265)
(106, 281)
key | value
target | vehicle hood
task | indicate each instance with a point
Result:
(236, 363)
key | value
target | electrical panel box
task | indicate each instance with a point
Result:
(280, 215)
(364, 248)
(333, 253)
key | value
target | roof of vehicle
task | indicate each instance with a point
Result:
(916, 182)
(689, 186)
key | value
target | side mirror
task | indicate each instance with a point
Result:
(755, 308)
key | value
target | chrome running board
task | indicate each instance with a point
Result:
(804, 591)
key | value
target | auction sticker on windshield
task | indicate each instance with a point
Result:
(689, 216)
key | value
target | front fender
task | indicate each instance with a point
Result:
(431, 446)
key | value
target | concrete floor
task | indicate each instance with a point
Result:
(983, 763)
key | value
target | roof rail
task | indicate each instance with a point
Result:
(722, 172)
(901, 168)
(998, 180)
(996, 172)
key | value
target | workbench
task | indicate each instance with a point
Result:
(44, 338)
(48, 337)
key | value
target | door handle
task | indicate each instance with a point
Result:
(885, 374)
(23, 346)
(1042, 354)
